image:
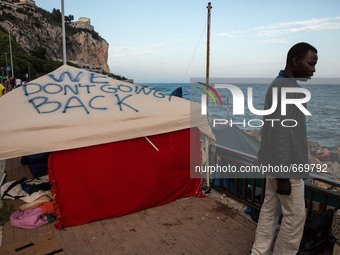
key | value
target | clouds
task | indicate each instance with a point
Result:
(130, 51)
(127, 51)
(273, 41)
(147, 49)
(310, 25)
(285, 28)
(140, 59)
(233, 34)
(166, 56)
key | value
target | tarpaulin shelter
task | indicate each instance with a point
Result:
(235, 144)
(234, 147)
(116, 147)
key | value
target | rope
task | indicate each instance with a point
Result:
(192, 57)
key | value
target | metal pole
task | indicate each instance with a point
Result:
(207, 82)
(6, 65)
(63, 29)
(28, 69)
(208, 44)
(10, 52)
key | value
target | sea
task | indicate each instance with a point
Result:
(323, 126)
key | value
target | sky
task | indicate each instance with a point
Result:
(165, 41)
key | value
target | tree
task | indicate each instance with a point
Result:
(39, 52)
(56, 15)
(68, 19)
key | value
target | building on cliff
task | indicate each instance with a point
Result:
(28, 6)
(84, 23)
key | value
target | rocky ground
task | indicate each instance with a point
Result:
(329, 156)
(319, 155)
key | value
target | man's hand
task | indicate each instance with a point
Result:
(284, 187)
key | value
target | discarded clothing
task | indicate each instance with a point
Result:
(37, 163)
(47, 208)
(31, 188)
(37, 202)
(34, 196)
(34, 185)
(38, 169)
(31, 218)
(12, 190)
(25, 188)
(35, 158)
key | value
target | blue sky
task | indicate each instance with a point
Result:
(165, 40)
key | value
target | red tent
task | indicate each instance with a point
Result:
(115, 147)
(118, 178)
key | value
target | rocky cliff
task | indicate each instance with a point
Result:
(32, 32)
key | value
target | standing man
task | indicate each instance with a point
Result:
(285, 146)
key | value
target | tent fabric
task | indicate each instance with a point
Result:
(115, 179)
(73, 108)
(234, 139)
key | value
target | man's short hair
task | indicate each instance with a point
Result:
(300, 50)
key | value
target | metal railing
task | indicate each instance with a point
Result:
(250, 191)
